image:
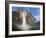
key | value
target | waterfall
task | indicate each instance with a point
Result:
(24, 25)
(24, 19)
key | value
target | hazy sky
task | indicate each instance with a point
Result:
(35, 11)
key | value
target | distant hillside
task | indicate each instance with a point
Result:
(36, 26)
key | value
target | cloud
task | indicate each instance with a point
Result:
(37, 18)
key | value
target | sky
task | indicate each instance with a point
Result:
(35, 11)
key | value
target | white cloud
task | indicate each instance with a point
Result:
(37, 18)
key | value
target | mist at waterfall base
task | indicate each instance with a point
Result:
(21, 18)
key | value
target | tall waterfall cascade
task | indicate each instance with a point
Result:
(24, 26)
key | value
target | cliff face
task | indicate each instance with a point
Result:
(18, 18)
